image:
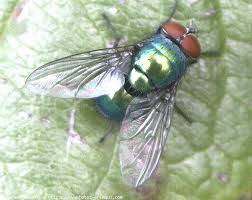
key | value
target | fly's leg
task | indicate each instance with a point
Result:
(109, 132)
(174, 9)
(211, 54)
(116, 37)
(116, 42)
(183, 114)
(207, 54)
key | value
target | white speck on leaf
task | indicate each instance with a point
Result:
(224, 178)
(73, 136)
(209, 13)
(113, 10)
(46, 122)
(192, 2)
(122, 1)
(24, 115)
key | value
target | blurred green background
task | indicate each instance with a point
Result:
(210, 159)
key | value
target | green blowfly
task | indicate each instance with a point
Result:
(133, 84)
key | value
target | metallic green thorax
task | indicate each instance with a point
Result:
(159, 63)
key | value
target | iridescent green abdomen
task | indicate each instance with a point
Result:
(114, 107)
(158, 64)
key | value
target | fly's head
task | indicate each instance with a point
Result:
(184, 36)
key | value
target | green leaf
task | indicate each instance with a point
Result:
(210, 158)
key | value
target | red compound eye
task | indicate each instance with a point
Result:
(191, 46)
(174, 29)
(189, 42)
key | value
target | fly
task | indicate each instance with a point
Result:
(133, 84)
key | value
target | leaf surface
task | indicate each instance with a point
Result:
(210, 158)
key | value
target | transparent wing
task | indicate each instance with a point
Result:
(144, 132)
(85, 75)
